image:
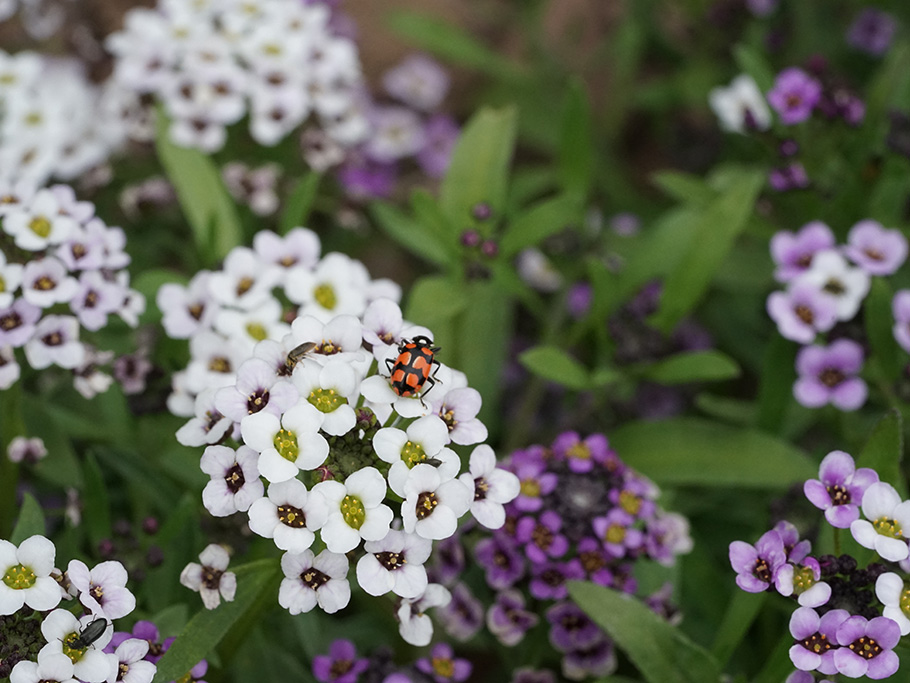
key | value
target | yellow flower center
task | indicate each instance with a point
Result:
(325, 296)
(353, 512)
(19, 577)
(256, 331)
(286, 444)
(40, 226)
(326, 400)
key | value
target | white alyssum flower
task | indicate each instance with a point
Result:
(25, 575)
(10, 278)
(892, 592)
(210, 578)
(355, 510)
(41, 225)
(314, 580)
(330, 388)
(458, 408)
(414, 624)
(888, 518)
(336, 285)
(102, 590)
(740, 105)
(45, 282)
(288, 445)
(432, 507)
(289, 514)
(395, 563)
(187, 310)
(235, 482)
(131, 664)
(208, 426)
(831, 273)
(55, 341)
(245, 282)
(340, 338)
(31, 450)
(90, 664)
(424, 441)
(50, 667)
(492, 487)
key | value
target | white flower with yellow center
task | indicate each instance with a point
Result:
(337, 285)
(355, 510)
(25, 575)
(423, 442)
(288, 445)
(10, 278)
(62, 631)
(330, 389)
(289, 514)
(252, 326)
(894, 594)
(41, 225)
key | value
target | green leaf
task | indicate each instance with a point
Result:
(429, 215)
(206, 629)
(480, 165)
(884, 451)
(715, 231)
(879, 322)
(434, 301)
(753, 62)
(203, 197)
(96, 501)
(576, 146)
(451, 43)
(692, 366)
(300, 203)
(412, 235)
(683, 187)
(741, 612)
(538, 222)
(555, 365)
(661, 652)
(698, 452)
(30, 522)
(775, 393)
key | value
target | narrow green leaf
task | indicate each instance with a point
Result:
(683, 187)
(434, 300)
(30, 521)
(699, 452)
(410, 234)
(538, 222)
(778, 662)
(692, 366)
(429, 215)
(576, 146)
(716, 229)
(451, 43)
(11, 426)
(555, 365)
(604, 375)
(480, 165)
(879, 322)
(753, 62)
(775, 393)
(203, 197)
(206, 629)
(741, 612)
(299, 205)
(884, 451)
(661, 652)
(97, 508)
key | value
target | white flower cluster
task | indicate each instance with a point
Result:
(213, 62)
(307, 400)
(74, 646)
(61, 269)
(53, 121)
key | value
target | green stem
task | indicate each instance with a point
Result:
(836, 542)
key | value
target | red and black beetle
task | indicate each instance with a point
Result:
(413, 367)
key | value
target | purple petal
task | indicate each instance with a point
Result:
(817, 494)
(885, 632)
(804, 622)
(836, 468)
(842, 516)
(742, 557)
(851, 629)
(850, 394)
(883, 665)
(849, 663)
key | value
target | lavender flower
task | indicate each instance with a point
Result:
(793, 252)
(802, 312)
(508, 619)
(872, 31)
(794, 95)
(341, 665)
(867, 647)
(876, 250)
(900, 307)
(839, 488)
(757, 566)
(443, 667)
(829, 375)
(570, 628)
(816, 641)
(462, 618)
(501, 559)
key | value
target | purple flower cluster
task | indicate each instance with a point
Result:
(342, 665)
(148, 632)
(824, 288)
(412, 127)
(837, 627)
(62, 271)
(581, 514)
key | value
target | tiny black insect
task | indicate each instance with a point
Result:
(91, 632)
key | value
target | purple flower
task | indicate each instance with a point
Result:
(549, 580)
(793, 176)
(596, 660)
(442, 666)
(448, 560)
(794, 95)
(757, 566)
(508, 619)
(581, 455)
(789, 535)
(462, 618)
(526, 675)
(541, 537)
(872, 31)
(440, 135)
(793, 252)
(500, 558)
(816, 644)
(839, 488)
(578, 299)
(570, 628)
(803, 580)
(900, 306)
(17, 323)
(595, 560)
(341, 665)
(829, 375)
(536, 481)
(761, 8)
(802, 311)
(874, 249)
(867, 647)
(616, 532)
(366, 179)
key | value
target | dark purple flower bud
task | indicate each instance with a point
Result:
(150, 525)
(482, 211)
(154, 556)
(489, 248)
(470, 238)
